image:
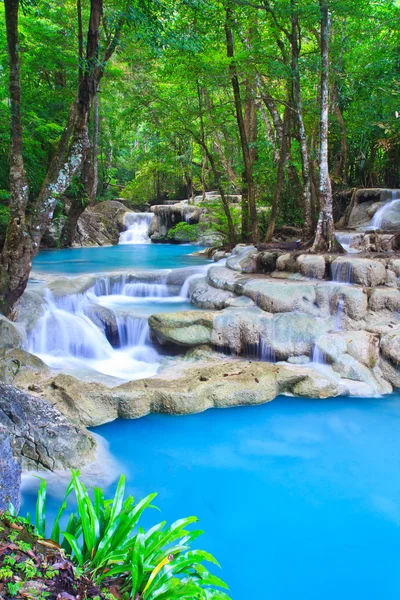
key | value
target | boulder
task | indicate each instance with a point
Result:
(223, 278)
(286, 262)
(266, 261)
(10, 473)
(286, 334)
(384, 299)
(312, 266)
(167, 216)
(83, 403)
(390, 346)
(101, 224)
(205, 296)
(317, 386)
(243, 259)
(360, 345)
(239, 302)
(351, 301)
(61, 287)
(281, 296)
(221, 385)
(41, 435)
(362, 271)
(29, 309)
(188, 328)
(20, 367)
(11, 334)
(365, 203)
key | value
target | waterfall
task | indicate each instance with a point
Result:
(137, 228)
(379, 217)
(339, 315)
(318, 356)
(65, 337)
(146, 290)
(342, 272)
(346, 239)
(132, 331)
(65, 329)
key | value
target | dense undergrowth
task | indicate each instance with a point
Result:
(98, 550)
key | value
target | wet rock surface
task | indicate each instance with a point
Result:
(41, 436)
(100, 225)
(10, 472)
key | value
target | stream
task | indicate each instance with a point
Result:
(298, 498)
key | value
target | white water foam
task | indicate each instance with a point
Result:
(66, 337)
(379, 217)
(137, 228)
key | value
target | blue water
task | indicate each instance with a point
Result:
(76, 261)
(299, 498)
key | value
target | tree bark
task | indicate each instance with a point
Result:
(15, 242)
(89, 179)
(305, 160)
(241, 127)
(325, 235)
(24, 232)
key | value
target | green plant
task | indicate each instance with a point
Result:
(107, 544)
(184, 232)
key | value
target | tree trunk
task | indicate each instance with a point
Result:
(241, 127)
(90, 183)
(341, 165)
(325, 235)
(305, 161)
(25, 232)
(225, 203)
(17, 238)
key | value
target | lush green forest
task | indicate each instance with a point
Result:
(193, 95)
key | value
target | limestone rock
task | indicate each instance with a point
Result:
(266, 261)
(390, 345)
(101, 224)
(281, 296)
(20, 367)
(10, 473)
(61, 287)
(352, 301)
(83, 403)
(362, 271)
(188, 328)
(223, 278)
(243, 259)
(312, 266)
(384, 299)
(286, 262)
(205, 296)
(11, 335)
(29, 309)
(41, 435)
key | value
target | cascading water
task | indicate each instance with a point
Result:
(379, 218)
(66, 337)
(342, 272)
(339, 315)
(318, 356)
(137, 228)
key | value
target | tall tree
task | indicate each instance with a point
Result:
(325, 239)
(30, 219)
(244, 142)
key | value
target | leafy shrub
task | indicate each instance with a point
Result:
(184, 232)
(106, 542)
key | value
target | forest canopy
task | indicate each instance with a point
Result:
(187, 96)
